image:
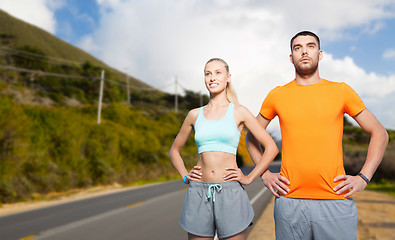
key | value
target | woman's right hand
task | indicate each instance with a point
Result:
(195, 174)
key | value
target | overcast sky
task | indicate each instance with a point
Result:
(156, 40)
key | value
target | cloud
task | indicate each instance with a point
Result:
(377, 91)
(38, 12)
(389, 54)
(159, 40)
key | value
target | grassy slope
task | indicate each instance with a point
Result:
(27, 34)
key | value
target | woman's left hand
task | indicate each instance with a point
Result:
(235, 174)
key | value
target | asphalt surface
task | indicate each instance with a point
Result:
(149, 212)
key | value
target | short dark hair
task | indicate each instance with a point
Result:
(306, 33)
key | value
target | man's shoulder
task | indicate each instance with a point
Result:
(327, 82)
(280, 87)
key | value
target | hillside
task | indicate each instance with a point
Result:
(15, 33)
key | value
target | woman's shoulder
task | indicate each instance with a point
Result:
(192, 114)
(241, 110)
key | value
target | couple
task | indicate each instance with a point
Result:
(313, 193)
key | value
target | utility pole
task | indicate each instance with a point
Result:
(100, 96)
(176, 96)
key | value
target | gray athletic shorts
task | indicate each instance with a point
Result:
(315, 219)
(223, 207)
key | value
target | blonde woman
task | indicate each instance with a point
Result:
(216, 200)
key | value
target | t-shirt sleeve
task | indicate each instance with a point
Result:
(268, 109)
(352, 102)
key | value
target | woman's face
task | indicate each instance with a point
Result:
(216, 77)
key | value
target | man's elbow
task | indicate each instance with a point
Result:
(382, 134)
(386, 137)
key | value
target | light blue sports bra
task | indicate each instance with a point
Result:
(220, 135)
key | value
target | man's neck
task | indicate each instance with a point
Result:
(307, 79)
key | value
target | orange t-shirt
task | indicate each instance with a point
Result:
(311, 122)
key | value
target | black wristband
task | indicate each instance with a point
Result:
(364, 178)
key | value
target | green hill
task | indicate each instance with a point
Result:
(15, 33)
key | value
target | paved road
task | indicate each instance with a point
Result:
(150, 212)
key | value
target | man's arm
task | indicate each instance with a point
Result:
(377, 145)
(273, 181)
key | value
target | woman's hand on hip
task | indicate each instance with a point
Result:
(235, 174)
(195, 174)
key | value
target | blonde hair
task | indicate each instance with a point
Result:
(230, 92)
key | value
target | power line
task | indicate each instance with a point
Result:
(30, 54)
(125, 85)
(41, 73)
(115, 82)
(38, 55)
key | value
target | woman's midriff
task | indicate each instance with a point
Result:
(213, 165)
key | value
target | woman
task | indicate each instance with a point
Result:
(216, 200)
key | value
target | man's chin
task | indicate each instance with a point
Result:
(306, 71)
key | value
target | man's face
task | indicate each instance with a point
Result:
(305, 55)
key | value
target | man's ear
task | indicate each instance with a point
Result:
(321, 55)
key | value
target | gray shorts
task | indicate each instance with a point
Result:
(222, 207)
(315, 219)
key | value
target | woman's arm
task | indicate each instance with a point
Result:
(273, 181)
(245, 117)
(179, 142)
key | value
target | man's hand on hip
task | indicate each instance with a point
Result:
(350, 185)
(275, 183)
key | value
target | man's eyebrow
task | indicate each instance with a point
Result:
(309, 43)
(297, 45)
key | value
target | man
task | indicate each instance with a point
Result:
(313, 193)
